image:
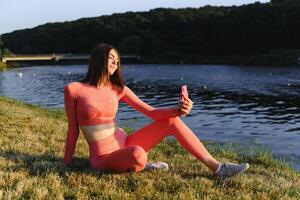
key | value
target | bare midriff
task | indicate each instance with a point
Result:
(98, 132)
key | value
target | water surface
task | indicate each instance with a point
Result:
(247, 105)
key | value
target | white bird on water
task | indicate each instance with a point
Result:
(19, 74)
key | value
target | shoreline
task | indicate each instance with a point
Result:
(31, 166)
(272, 59)
(4, 66)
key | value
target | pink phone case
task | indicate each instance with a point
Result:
(184, 92)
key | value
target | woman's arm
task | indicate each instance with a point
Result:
(130, 98)
(73, 129)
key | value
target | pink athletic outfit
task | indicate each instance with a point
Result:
(87, 105)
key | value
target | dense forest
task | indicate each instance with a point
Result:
(189, 34)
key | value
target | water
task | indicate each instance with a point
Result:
(246, 105)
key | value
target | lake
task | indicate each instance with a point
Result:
(244, 105)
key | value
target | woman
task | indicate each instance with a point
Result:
(91, 105)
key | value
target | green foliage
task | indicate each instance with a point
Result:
(1, 43)
(2, 65)
(287, 2)
(7, 52)
(130, 45)
(190, 33)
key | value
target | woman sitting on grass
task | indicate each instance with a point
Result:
(92, 104)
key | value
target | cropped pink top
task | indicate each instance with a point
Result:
(88, 105)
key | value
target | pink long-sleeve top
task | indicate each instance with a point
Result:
(88, 105)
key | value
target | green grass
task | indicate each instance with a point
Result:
(32, 146)
(3, 65)
(8, 65)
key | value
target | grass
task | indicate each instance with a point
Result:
(3, 65)
(32, 146)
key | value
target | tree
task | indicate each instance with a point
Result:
(1, 43)
(287, 2)
(130, 44)
(7, 52)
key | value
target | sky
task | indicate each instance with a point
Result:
(21, 14)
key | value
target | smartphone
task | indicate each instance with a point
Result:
(184, 92)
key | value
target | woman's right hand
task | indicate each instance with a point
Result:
(186, 106)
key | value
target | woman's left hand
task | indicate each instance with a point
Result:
(186, 106)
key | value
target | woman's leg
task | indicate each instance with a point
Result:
(151, 134)
(131, 158)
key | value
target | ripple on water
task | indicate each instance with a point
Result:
(243, 103)
(219, 133)
(293, 130)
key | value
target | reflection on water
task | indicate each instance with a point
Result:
(256, 105)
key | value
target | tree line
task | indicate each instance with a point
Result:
(163, 33)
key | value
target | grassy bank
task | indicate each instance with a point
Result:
(6, 65)
(31, 149)
(3, 65)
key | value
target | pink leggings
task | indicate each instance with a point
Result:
(121, 152)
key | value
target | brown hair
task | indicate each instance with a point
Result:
(98, 68)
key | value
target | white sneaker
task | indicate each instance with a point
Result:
(157, 165)
(228, 170)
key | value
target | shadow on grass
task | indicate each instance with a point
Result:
(39, 165)
(193, 175)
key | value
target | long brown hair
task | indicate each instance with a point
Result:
(98, 68)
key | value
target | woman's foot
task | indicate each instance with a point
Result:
(157, 165)
(228, 170)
